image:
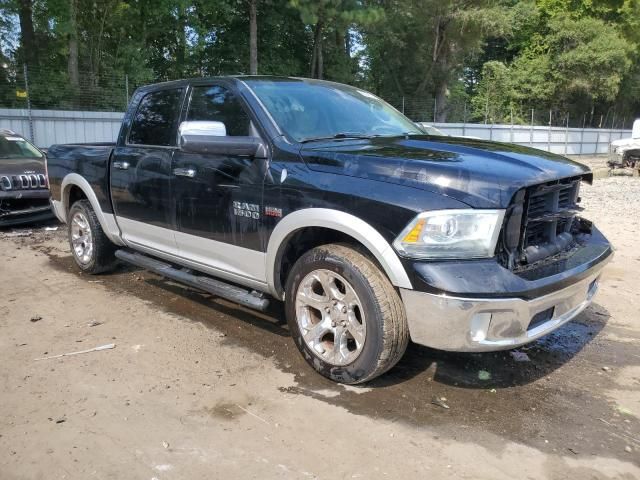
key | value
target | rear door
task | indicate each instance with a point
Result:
(141, 176)
(219, 196)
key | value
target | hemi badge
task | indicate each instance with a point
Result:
(273, 212)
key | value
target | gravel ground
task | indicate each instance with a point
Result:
(197, 387)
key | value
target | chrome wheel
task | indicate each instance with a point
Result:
(330, 317)
(81, 238)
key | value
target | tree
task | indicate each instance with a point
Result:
(425, 45)
(28, 43)
(328, 17)
(578, 62)
(74, 74)
(253, 37)
(493, 101)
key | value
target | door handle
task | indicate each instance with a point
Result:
(184, 172)
(121, 165)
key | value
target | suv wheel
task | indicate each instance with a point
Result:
(91, 249)
(345, 316)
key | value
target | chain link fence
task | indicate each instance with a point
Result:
(35, 89)
(32, 87)
(461, 110)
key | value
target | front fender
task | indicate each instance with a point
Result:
(339, 221)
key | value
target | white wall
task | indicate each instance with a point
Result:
(565, 141)
(58, 126)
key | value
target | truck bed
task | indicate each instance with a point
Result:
(90, 160)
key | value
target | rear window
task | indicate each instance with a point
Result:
(154, 123)
(17, 147)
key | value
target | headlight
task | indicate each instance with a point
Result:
(451, 234)
(5, 183)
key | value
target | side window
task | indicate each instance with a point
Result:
(219, 104)
(154, 123)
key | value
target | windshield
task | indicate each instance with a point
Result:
(17, 147)
(308, 110)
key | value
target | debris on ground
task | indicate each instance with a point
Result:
(94, 323)
(165, 444)
(36, 318)
(25, 233)
(624, 410)
(440, 402)
(628, 449)
(256, 416)
(520, 356)
(606, 369)
(484, 375)
(96, 349)
(61, 420)
(572, 451)
(50, 229)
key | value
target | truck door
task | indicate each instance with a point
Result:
(219, 197)
(141, 174)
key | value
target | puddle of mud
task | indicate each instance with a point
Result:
(552, 403)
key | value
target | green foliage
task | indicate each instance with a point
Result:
(495, 93)
(455, 59)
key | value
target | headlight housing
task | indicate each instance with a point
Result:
(5, 183)
(448, 234)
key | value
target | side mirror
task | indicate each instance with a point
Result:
(635, 133)
(211, 138)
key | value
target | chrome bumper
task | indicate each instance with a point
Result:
(484, 325)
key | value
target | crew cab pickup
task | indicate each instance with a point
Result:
(323, 196)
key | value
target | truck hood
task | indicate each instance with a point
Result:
(21, 166)
(479, 173)
(625, 143)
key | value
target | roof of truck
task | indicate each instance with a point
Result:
(238, 78)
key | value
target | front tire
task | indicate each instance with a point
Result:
(92, 251)
(345, 317)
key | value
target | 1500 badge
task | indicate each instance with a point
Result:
(248, 210)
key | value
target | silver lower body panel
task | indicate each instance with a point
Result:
(484, 325)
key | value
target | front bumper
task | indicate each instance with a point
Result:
(481, 306)
(484, 325)
(20, 208)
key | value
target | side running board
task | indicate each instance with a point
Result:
(216, 287)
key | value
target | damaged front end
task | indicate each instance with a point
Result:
(543, 226)
(24, 199)
(624, 156)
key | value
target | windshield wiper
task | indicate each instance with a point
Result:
(337, 136)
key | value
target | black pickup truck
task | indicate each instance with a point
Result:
(323, 196)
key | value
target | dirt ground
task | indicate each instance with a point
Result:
(197, 387)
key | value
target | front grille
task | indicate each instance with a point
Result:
(549, 212)
(23, 182)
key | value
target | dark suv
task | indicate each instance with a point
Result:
(24, 191)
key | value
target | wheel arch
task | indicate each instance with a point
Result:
(343, 224)
(70, 185)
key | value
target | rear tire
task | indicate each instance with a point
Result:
(345, 317)
(92, 251)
